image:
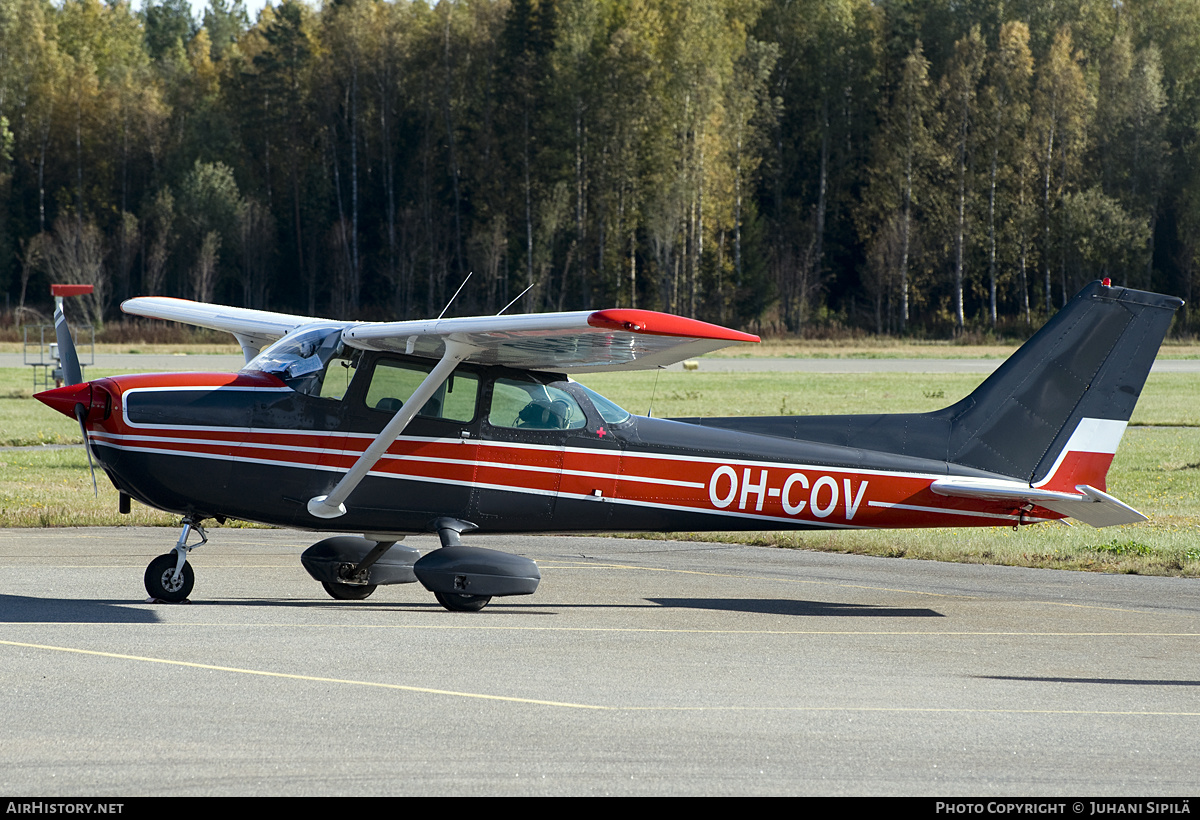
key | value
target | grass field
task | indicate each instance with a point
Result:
(1157, 469)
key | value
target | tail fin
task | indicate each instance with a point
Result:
(1054, 413)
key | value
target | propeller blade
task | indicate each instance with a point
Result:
(72, 373)
(81, 414)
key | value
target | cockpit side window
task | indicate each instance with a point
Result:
(338, 375)
(532, 406)
(393, 381)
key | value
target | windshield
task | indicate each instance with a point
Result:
(300, 353)
(608, 411)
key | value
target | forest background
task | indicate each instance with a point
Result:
(920, 167)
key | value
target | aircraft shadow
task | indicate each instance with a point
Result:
(21, 609)
(17, 609)
(773, 606)
(25, 609)
(1109, 681)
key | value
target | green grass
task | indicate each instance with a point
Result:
(52, 488)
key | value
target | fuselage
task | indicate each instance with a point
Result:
(252, 446)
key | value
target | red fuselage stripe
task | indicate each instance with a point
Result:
(762, 491)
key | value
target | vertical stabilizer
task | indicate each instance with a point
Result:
(1054, 413)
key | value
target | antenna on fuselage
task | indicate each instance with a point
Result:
(514, 301)
(455, 296)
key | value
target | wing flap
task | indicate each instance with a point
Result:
(1089, 505)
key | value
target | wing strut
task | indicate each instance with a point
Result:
(332, 506)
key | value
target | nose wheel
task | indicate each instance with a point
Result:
(169, 577)
(163, 583)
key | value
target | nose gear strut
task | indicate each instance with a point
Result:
(169, 577)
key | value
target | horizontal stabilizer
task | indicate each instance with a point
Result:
(1089, 505)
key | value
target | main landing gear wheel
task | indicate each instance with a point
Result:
(457, 602)
(159, 583)
(349, 592)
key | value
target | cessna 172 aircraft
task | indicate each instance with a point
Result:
(454, 425)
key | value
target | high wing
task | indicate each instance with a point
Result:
(254, 329)
(617, 339)
(578, 341)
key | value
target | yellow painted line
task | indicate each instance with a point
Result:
(285, 675)
(1093, 606)
(602, 708)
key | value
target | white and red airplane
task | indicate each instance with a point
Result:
(454, 425)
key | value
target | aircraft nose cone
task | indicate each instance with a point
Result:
(64, 399)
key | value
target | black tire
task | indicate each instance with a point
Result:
(457, 602)
(158, 580)
(349, 592)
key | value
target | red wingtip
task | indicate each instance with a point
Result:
(664, 324)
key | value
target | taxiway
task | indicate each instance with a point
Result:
(639, 667)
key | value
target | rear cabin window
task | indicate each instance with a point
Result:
(393, 382)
